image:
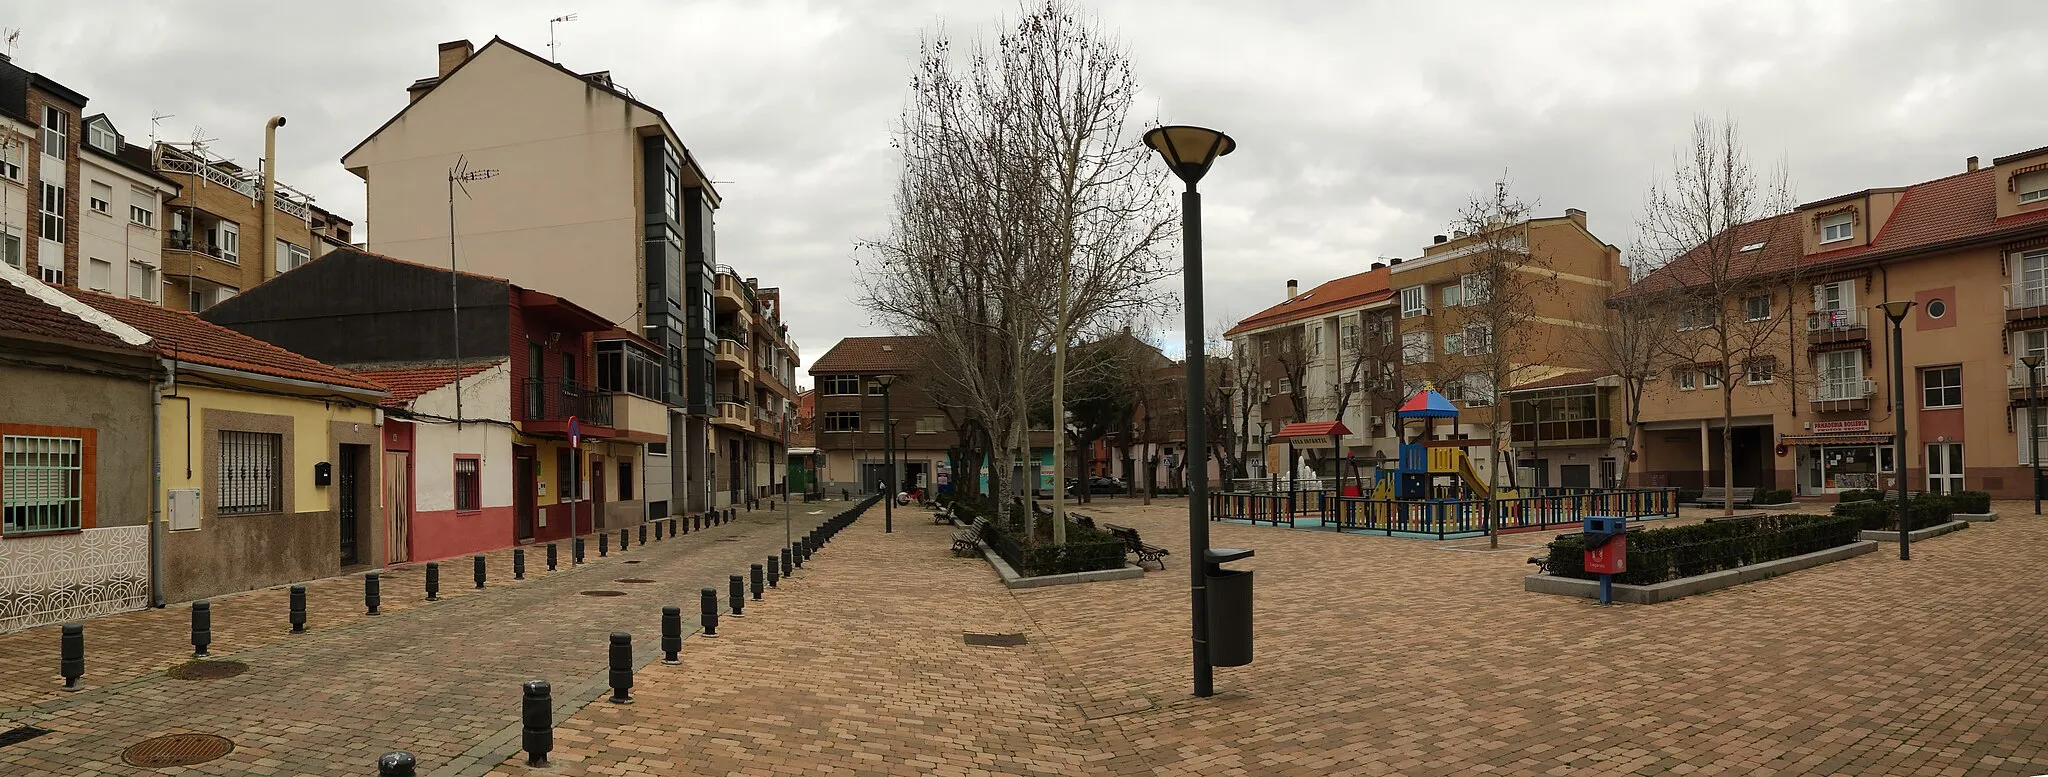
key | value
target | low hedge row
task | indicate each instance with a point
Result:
(1922, 510)
(1674, 552)
(1087, 550)
(1771, 496)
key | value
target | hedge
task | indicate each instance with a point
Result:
(1086, 550)
(1674, 552)
(1922, 510)
(1689, 495)
(1771, 496)
(1978, 502)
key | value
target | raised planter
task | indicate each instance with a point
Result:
(1014, 580)
(1683, 587)
(1975, 517)
(1778, 506)
(1880, 535)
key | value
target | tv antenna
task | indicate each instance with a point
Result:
(13, 40)
(552, 43)
(156, 120)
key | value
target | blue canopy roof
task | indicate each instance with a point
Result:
(1427, 403)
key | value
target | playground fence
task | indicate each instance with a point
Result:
(1279, 508)
(1444, 518)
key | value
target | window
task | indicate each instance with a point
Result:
(1839, 295)
(10, 248)
(841, 421)
(625, 480)
(1841, 375)
(102, 137)
(53, 212)
(1837, 228)
(625, 366)
(1757, 308)
(2033, 187)
(1286, 386)
(1478, 339)
(1710, 376)
(99, 274)
(657, 449)
(56, 131)
(1686, 379)
(1414, 302)
(874, 388)
(876, 426)
(101, 199)
(251, 478)
(1478, 388)
(1941, 387)
(1415, 348)
(468, 484)
(1453, 295)
(291, 257)
(1315, 341)
(142, 208)
(1936, 308)
(53, 276)
(569, 374)
(42, 484)
(12, 151)
(228, 239)
(566, 480)
(839, 385)
(1477, 287)
(1752, 247)
(1760, 371)
(1348, 338)
(1454, 343)
(142, 283)
(931, 424)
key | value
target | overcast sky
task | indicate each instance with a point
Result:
(1361, 126)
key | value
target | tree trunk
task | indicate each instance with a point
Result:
(1727, 444)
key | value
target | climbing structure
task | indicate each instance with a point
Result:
(1421, 464)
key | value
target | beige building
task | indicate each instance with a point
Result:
(215, 240)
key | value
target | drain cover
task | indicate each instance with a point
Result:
(604, 593)
(633, 562)
(15, 736)
(206, 670)
(177, 750)
(633, 580)
(993, 640)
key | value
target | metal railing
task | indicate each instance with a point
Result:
(1448, 518)
(559, 400)
(2016, 377)
(179, 241)
(2026, 294)
(1844, 390)
(1834, 320)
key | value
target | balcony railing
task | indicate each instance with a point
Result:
(2016, 377)
(559, 400)
(2020, 295)
(1844, 390)
(1834, 320)
(247, 187)
(180, 241)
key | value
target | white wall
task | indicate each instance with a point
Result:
(114, 238)
(485, 395)
(15, 199)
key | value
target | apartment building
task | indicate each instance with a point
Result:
(585, 190)
(1569, 430)
(218, 241)
(756, 376)
(851, 429)
(1970, 251)
(120, 241)
(1310, 356)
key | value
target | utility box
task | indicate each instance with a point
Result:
(1606, 541)
(1230, 607)
(182, 508)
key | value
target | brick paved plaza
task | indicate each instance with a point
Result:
(1375, 656)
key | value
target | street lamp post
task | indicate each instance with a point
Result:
(1229, 450)
(888, 457)
(1189, 151)
(2033, 363)
(1896, 311)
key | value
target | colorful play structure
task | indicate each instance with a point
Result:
(1434, 489)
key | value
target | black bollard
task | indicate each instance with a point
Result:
(796, 551)
(537, 722)
(671, 635)
(298, 609)
(708, 611)
(399, 764)
(551, 557)
(785, 562)
(370, 594)
(433, 581)
(518, 563)
(643, 534)
(622, 668)
(476, 564)
(736, 592)
(692, 524)
(623, 536)
(657, 529)
(71, 654)
(577, 556)
(773, 569)
(755, 582)
(604, 541)
(202, 627)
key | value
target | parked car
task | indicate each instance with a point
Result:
(1098, 484)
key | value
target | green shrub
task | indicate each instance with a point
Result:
(1922, 511)
(1875, 516)
(1978, 502)
(1861, 495)
(1086, 550)
(1771, 496)
(1689, 495)
(1674, 552)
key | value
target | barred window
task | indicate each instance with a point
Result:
(251, 477)
(41, 484)
(468, 484)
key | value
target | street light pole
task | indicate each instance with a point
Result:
(1189, 151)
(888, 457)
(2033, 363)
(1229, 392)
(1896, 311)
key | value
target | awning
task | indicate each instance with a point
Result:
(1837, 439)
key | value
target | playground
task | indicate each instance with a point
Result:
(1433, 491)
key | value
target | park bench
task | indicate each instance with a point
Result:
(968, 540)
(1134, 544)
(1714, 496)
(1084, 521)
(944, 514)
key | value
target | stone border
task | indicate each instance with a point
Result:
(1974, 517)
(1778, 506)
(1014, 580)
(1879, 535)
(1683, 587)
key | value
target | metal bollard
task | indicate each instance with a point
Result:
(518, 563)
(604, 541)
(623, 536)
(576, 557)
(433, 581)
(772, 570)
(736, 592)
(708, 611)
(551, 557)
(537, 722)
(202, 627)
(298, 609)
(71, 654)
(692, 524)
(399, 764)
(622, 668)
(643, 534)
(796, 551)
(671, 635)
(785, 562)
(370, 594)
(657, 529)
(477, 566)
(755, 581)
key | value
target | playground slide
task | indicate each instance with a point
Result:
(1472, 479)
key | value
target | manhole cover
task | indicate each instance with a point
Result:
(604, 593)
(633, 580)
(206, 670)
(632, 562)
(177, 750)
(15, 736)
(994, 640)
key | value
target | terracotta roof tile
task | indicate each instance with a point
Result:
(408, 383)
(191, 339)
(1343, 293)
(870, 355)
(23, 311)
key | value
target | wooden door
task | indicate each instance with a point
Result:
(398, 507)
(522, 495)
(596, 494)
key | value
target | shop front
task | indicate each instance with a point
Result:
(1840, 456)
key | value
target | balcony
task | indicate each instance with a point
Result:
(2026, 299)
(639, 418)
(197, 244)
(1835, 326)
(733, 354)
(549, 404)
(731, 414)
(730, 293)
(1843, 395)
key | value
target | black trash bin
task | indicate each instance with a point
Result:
(1230, 607)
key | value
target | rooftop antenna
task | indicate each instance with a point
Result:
(13, 40)
(156, 120)
(458, 177)
(552, 43)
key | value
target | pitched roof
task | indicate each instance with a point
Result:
(1427, 403)
(188, 338)
(1343, 293)
(29, 307)
(408, 383)
(870, 354)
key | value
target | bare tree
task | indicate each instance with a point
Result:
(1706, 230)
(1632, 347)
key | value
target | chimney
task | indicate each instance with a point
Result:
(1970, 165)
(1577, 216)
(1377, 265)
(1293, 288)
(1440, 240)
(1394, 261)
(454, 53)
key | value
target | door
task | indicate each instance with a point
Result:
(349, 503)
(397, 507)
(1610, 473)
(522, 495)
(596, 489)
(1575, 475)
(1945, 467)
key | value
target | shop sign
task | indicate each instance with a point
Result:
(1840, 427)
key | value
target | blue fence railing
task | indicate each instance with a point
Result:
(1441, 518)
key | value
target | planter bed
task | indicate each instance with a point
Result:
(1883, 535)
(1014, 580)
(1687, 586)
(1975, 517)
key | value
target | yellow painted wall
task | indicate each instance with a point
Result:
(310, 440)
